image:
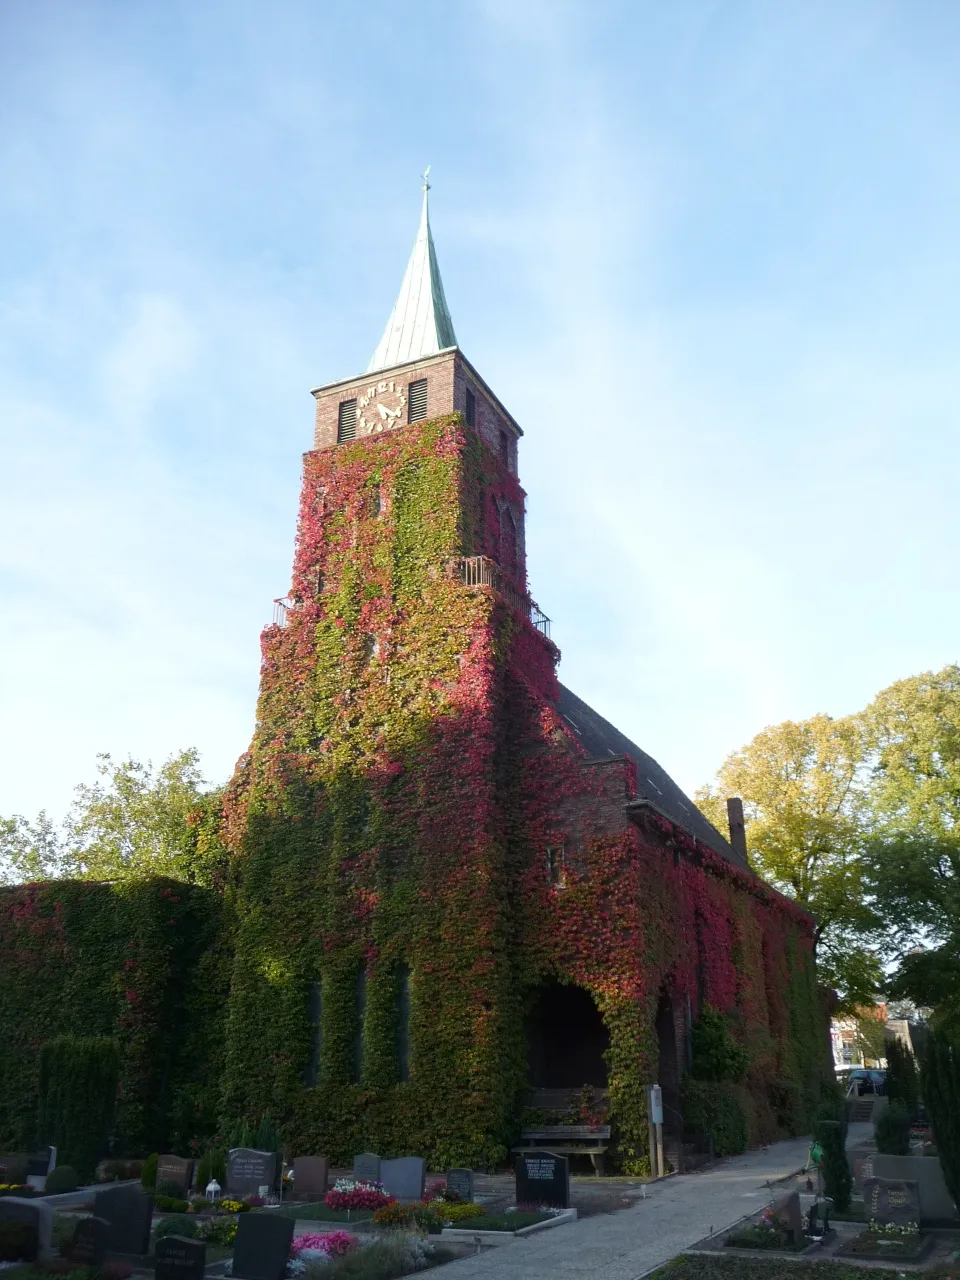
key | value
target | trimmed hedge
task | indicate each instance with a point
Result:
(892, 1129)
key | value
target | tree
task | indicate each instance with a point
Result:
(803, 789)
(912, 861)
(133, 821)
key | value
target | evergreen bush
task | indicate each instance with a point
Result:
(716, 1109)
(239, 1134)
(178, 1224)
(892, 1129)
(903, 1082)
(148, 1174)
(266, 1137)
(62, 1178)
(941, 1093)
(78, 1089)
(837, 1182)
(212, 1167)
(717, 1055)
(170, 1189)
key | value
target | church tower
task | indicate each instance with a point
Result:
(459, 891)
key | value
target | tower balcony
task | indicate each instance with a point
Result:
(481, 571)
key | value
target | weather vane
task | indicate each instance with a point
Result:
(425, 175)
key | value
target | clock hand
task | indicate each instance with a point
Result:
(384, 412)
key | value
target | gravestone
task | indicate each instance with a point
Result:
(366, 1167)
(37, 1215)
(891, 1200)
(311, 1176)
(128, 1213)
(543, 1177)
(249, 1170)
(39, 1165)
(179, 1258)
(174, 1169)
(89, 1243)
(787, 1213)
(404, 1178)
(460, 1184)
(262, 1246)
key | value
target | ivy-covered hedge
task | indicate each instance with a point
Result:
(720, 1111)
(142, 963)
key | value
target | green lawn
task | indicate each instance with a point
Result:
(317, 1211)
(501, 1221)
(720, 1267)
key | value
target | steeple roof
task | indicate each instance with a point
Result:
(420, 323)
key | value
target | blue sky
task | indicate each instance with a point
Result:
(707, 254)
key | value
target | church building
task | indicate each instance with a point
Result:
(466, 901)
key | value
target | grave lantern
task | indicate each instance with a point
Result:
(213, 1190)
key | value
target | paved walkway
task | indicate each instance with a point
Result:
(677, 1213)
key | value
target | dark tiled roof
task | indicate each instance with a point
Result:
(601, 740)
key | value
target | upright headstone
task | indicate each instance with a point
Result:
(787, 1212)
(89, 1243)
(460, 1184)
(39, 1165)
(128, 1213)
(174, 1169)
(249, 1170)
(311, 1177)
(404, 1178)
(179, 1258)
(37, 1215)
(262, 1246)
(890, 1200)
(366, 1167)
(543, 1177)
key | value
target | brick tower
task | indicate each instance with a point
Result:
(460, 891)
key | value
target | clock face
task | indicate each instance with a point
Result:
(381, 407)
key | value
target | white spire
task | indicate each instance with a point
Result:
(420, 323)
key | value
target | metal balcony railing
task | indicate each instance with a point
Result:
(281, 608)
(481, 571)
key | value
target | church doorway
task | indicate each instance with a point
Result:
(566, 1039)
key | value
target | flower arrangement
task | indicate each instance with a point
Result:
(221, 1231)
(350, 1193)
(893, 1230)
(327, 1244)
(422, 1216)
(235, 1206)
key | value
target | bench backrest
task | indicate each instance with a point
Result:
(568, 1131)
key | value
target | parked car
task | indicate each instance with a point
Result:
(860, 1080)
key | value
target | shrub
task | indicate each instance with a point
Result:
(63, 1178)
(892, 1129)
(78, 1089)
(178, 1224)
(170, 1189)
(235, 1206)
(421, 1216)
(148, 1174)
(171, 1204)
(717, 1111)
(212, 1168)
(717, 1055)
(18, 1240)
(266, 1137)
(220, 1231)
(113, 1171)
(386, 1258)
(456, 1211)
(903, 1082)
(837, 1181)
(941, 1093)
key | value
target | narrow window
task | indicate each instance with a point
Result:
(556, 865)
(417, 404)
(508, 543)
(371, 647)
(347, 421)
(360, 996)
(505, 447)
(471, 408)
(403, 1023)
(319, 583)
(315, 1018)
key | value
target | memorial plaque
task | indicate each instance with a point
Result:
(366, 1167)
(37, 1216)
(890, 1200)
(311, 1177)
(248, 1171)
(173, 1169)
(128, 1213)
(787, 1213)
(543, 1177)
(262, 1247)
(89, 1243)
(404, 1178)
(460, 1184)
(179, 1258)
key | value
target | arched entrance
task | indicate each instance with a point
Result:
(566, 1039)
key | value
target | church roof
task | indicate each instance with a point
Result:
(601, 740)
(420, 323)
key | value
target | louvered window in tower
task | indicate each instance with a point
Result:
(347, 421)
(417, 401)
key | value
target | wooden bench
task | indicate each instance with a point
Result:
(570, 1139)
